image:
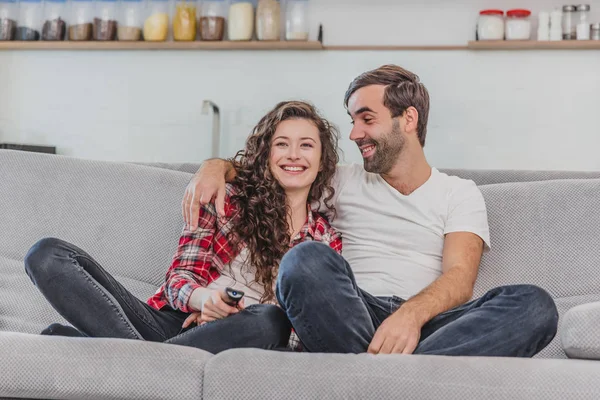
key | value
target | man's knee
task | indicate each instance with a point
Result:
(542, 314)
(306, 262)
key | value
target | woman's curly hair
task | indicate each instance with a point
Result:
(261, 223)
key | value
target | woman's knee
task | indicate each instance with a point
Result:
(39, 259)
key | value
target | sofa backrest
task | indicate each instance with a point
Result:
(545, 233)
(126, 216)
(479, 176)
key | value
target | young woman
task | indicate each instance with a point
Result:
(286, 166)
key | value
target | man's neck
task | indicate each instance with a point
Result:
(410, 172)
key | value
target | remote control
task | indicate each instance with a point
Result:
(234, 296)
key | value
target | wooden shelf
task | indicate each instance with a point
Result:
(198, 45)
(388, 48)
(285, 45)
(534, 45)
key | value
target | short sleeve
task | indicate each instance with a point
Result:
(467, 212)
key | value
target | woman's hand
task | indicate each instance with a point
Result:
(213, 307)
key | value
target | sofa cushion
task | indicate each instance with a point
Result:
(547, 234)
(581, 331)
(259, 374)
(53, 367)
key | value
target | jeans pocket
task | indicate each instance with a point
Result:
(395, 303)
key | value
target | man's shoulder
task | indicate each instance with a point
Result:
(453, 183)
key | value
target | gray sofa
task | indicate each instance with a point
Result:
(545, 230)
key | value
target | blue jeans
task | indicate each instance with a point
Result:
(330, 313)
(98, 306)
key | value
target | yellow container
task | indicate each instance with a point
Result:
(156, 27)
(184, 21)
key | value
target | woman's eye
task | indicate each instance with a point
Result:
(307, 145)
(281, 144)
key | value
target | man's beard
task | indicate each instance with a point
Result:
(387, 150)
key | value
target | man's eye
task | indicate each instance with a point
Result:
(368, 120)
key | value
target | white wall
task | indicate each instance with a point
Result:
(513, 109)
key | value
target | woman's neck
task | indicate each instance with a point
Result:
(296, 201)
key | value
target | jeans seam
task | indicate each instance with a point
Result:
(142, 318)
(112, 301)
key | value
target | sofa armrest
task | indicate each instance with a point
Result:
(54, 367)
(580, 333)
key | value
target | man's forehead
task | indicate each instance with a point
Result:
(368, 98)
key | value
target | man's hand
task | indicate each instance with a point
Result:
(399, 333)
(208, 184)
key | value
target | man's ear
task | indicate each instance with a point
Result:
(411, 119)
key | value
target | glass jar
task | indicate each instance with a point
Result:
(595, 31)
(583, 23)
(296, 20)
(518, 25)
(82, 16)
(156, 25)
(30, 20)
(105, 20)
(184, 21)
(55, 25)
(568, 25)
(490, 25)
(212, 20)
(241, 20)
(268, 20)
(131, 20)
(8, 19)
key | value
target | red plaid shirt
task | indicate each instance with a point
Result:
(203, 253)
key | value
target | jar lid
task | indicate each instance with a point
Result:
(491, 12)
(583, 7)
(569, 8)
(518, 13)
(596, 26)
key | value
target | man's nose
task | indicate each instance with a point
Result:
(356, 134)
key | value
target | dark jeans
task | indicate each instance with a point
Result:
(330, 313)
(98, 306)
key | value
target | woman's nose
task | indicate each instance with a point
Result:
(293, 153)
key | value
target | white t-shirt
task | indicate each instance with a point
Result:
(394, 242)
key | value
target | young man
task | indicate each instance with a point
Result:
(413, 238)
